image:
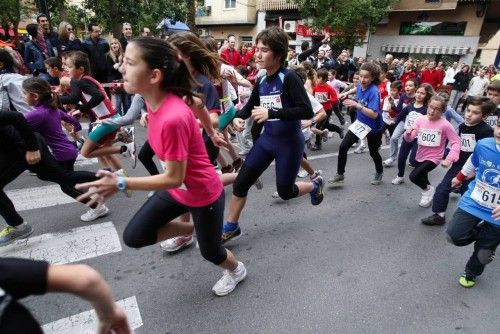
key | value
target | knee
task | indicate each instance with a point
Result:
(413, 177)
(143, 155)
(215, 254)
(288, 192)
(134, 239)
(240, 187)
(457, 239)
(344, 147)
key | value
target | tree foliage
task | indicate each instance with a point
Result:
(347, 19)
(11, 12)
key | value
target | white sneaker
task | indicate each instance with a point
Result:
(131, 153)
(426, 199)
(388, 163)
(276, 195)
(174, 244)
(360, 149)
(398, 180)
(93, 214)
(302, 173)
(229, 280)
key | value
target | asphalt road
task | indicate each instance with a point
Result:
(361, 262)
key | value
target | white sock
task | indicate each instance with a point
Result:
(441, 214)
(21, 227)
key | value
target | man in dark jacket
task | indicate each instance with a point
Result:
(52, 36)
(96, 48)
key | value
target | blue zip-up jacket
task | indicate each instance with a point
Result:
(33, 56)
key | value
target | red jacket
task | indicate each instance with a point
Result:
(433, 78)
(406, 76)
(232, 57)
(326, 95)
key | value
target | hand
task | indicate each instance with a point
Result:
(218, 139)
(76, 113)
(144, 120)
(456, 183)
(71, 37)
(100, 189)
(327, 38)
(496, 213)
(445, 163)
(238, 124)
(114, 323)
(230, 76)
(260, 114)
(409, 131)
(351, 103)
(33, 157)
(342, 96)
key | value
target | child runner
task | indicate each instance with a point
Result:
(432, 132)
(389, 107)
(280, 101)
(404, 100)
(327, 96)
(368, 124)
(153, 69)
(471, 131)
(408, 117)
(493, 93)
(481, 202)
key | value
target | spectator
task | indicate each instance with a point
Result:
(245, 53)
(114, 59)
(460, 84)
(37, 50)
(67, 40)
(126, 34)
(431, 75)
(11, 94)
(477, 87)
(96, 48)
(321, 61)
(342, 66)
(52, 36)
(231, 55)
(307, 52)
(292, 59)
(449, 77)
(145, 32)
(386, 65)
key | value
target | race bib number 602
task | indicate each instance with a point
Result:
(429, 137)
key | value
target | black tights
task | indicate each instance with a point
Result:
(374, 141)
(420, 175)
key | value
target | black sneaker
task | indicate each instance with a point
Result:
(435, 219)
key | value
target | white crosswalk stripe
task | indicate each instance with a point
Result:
(66, 247)
(38, 197)
(86, 322)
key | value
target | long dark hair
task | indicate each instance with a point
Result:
(158, 54)
(41, 87)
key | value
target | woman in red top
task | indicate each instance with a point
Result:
(409, 73)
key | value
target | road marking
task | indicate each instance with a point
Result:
(66, 247)
(82, 161)
(86, 322)
(38, 197)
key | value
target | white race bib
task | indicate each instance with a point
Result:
(321, 97)
(271, 101)
(410, 119)
(467, 142)
(486, 195)
(429, 137)
(492, 120)
(360, 129)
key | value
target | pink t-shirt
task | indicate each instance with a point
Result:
(432, 137)
(174, 135)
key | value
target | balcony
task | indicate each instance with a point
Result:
(228, 12)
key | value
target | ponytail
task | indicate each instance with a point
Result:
(41, 87)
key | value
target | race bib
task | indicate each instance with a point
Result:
(486, 195)
(321, 97)
(429, 137)
(467, 142)
(492, 120)
(359, 129)
(271, 101)
(410, 119)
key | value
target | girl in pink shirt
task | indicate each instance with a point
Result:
(432, 133)
(153, 69)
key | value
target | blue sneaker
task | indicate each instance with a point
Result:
(230, 231)
(317, 192)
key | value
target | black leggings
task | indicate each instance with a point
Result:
(420, 175)
(161, 208)
(145, 156)
(13, 163)
(406, 149)
(374, 141)
(325, 124)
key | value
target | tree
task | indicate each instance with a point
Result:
(10, 15)
(348, 19)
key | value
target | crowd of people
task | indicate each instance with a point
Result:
(262, 103)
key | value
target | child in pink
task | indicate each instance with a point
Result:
(433, 132)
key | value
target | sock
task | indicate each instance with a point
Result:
(21, 227)
(441, 214)
(315, 187)
(230, 226)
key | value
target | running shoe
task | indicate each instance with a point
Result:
(175, 244)
(79, 143)
(230, 280)
(377, 179)
(360, 149)
(398, 180)
(426, 199)
(302, 173)
(435, 219)
(336, 180)
(131, 153)
(388, 163)
(325, 134)
(93, 214)
(410, 165)
(276, 195)
(317, 192)
(227, 169)
(316, 174)
(467, 280)
(259, 184)
(237, 164)
(123, 173)
(10, 234)
(230, 232)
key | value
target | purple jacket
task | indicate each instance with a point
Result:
(47, 122)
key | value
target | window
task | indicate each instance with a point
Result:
(230, 4)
